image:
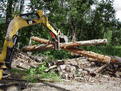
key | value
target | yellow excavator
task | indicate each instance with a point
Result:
(23, 20)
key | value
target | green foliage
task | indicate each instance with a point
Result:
(57, 54)
(103, 19)
(2, 33)
(75, 18)
(116, 37)
(36, 74)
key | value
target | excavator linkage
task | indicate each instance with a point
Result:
(15, 25)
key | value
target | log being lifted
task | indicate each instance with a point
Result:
(40, 40)
(62, 45)
(72, 44)
(98, 57)
(84, 43)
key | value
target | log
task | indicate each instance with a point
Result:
(73, 44)
(84, 43)
(116, 59)
(40, 40)
(38, 47)
(98, 57)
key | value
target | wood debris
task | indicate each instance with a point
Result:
(79, 68)
(24, 61)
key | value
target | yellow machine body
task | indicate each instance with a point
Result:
(15, 25)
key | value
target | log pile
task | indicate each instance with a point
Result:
(82, 69)
(72, 47)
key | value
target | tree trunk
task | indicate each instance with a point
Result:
(9, 11)
(73, 28)
(21, 5)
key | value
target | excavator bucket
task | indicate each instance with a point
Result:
(63, 39)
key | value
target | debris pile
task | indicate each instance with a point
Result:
(22, 60)
(81, 69)
(90, 66)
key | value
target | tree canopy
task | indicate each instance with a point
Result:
(78, 19)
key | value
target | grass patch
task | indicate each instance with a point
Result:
(36, 74)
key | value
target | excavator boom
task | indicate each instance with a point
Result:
(15, 25)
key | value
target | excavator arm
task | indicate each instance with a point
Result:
(15, 25)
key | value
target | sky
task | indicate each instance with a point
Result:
(117, 7)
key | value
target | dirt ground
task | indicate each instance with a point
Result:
(111, 85)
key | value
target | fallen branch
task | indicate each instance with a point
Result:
(98, 70)
(50, 68)
(101, 68)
